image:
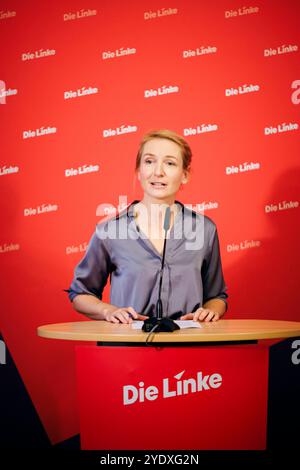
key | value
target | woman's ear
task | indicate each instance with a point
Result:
(186, 177)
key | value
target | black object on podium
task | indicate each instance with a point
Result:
(159, 323)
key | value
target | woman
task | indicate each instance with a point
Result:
(128, 248)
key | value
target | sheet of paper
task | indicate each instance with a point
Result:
(137, 325)
(188, 324)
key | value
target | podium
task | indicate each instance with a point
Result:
(194, 389)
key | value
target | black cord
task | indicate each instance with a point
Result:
(150, 334)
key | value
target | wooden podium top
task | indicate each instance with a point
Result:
(222, 330)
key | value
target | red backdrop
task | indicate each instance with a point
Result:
(75, 76)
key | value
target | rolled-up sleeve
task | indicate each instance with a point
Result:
(91, 273)
(214, 286)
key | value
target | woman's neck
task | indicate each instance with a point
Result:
(151, 216)
(154, 204)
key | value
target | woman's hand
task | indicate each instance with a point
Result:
(202, 314)
(124, 315)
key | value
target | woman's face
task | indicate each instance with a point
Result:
(161, 169)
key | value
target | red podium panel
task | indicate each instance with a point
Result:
(185, 397)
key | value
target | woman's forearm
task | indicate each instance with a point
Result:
(92, 307)
(217, 305)
(95, 309)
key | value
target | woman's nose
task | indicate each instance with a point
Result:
(158, 169)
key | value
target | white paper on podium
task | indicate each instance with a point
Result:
(137, 325)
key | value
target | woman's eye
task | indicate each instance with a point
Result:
(168, 163)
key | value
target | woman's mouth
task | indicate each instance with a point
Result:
(158, 185)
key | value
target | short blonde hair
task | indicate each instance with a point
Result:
(186, 152)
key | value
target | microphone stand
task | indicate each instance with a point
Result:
(158, 323)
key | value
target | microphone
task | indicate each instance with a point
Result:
(158, 323)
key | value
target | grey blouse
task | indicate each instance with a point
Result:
(119, 249)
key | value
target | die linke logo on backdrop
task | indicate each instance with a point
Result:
(41, 209)
(81, 170)
(163, 90)
(38, 54)
(41, 131)
(281, 128)
(283, 49)
(170, 388)
(8, 247)
(121, 52)
(242, 90)
(81, 248)
(119, 131)
(201, 207)
(281, 206)
(4, 15)
(162, 12)
(199, 51)
(4, 92)
(83, 91)
(243, 245)
(200, 129)
(242, 168)
(79, 14)
(241, 12)
(8, 170)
